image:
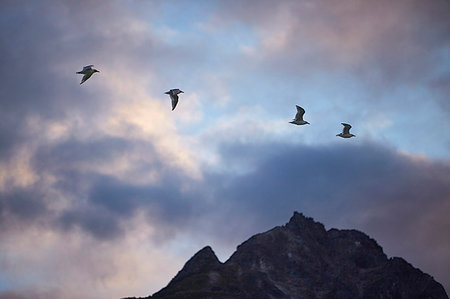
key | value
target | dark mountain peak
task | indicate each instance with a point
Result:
(302, 260)
(205, 259)
(199, 271)
(206, 254)
(300, 218)
(306, 227)
(300, 222)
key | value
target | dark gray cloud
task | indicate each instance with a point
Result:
(67, 154)
(99, 203)
(98, 222)
(23, 205)
(363, 176)
(11, 295)
(110, 202)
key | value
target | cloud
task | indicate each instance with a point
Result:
(306, 39)
(109, 203)
(25, 204)
(44, 263)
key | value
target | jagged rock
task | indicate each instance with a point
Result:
(301, 260)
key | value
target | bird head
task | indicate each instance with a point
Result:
(95, 71)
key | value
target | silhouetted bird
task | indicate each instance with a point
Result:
(346, 131)
(87, 71)
(173, 93)
(298, 120)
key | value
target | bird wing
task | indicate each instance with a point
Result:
(85, 77)
(346, 129)
(87, 67)
(174, 98)
(300, 112)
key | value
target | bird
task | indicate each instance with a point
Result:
(298, 120)
(346, 131)
(87, 71)
(173, 93)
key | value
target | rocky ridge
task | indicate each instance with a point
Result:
(301, 260)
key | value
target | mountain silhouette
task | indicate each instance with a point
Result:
(301, 260)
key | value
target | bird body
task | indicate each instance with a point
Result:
(346, 131)
(173, 93)
(298, 120)
(87, 71)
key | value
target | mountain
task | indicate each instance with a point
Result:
(301, 260)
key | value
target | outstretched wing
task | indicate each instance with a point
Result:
(85, 77)
(174, 98)
(87, 67)
(346, 129)
(300, 112)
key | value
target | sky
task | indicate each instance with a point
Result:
(106, 193)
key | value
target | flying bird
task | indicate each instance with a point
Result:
(346, 131)
(298, 120)
(87, 71)
(173, 93)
